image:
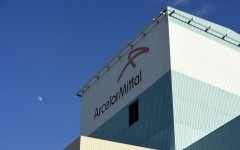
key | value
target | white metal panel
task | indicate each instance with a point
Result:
(204, 59)
(208, 61)
(150, 66)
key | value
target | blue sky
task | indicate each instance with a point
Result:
(50, 48)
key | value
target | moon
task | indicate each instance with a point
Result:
(40, 98)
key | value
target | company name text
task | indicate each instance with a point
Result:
(123, 90)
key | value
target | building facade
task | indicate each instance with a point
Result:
(173, 85)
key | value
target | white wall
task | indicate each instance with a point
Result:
(97, 144)
(202, 60)
(153, 64)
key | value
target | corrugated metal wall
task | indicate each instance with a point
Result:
(154, 129)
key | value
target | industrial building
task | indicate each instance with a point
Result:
(176, 85)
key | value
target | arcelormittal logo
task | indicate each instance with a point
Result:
(132, 55)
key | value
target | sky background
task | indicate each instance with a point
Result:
(50, 48)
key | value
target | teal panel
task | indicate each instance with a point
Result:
(155, 124)
(155, 120)
(117, 124)
(162, 140)
(199, 109)
(225, 137)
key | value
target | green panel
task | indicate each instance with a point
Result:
(199, 108)
(154, 129)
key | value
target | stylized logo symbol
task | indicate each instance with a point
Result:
(137, 51)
